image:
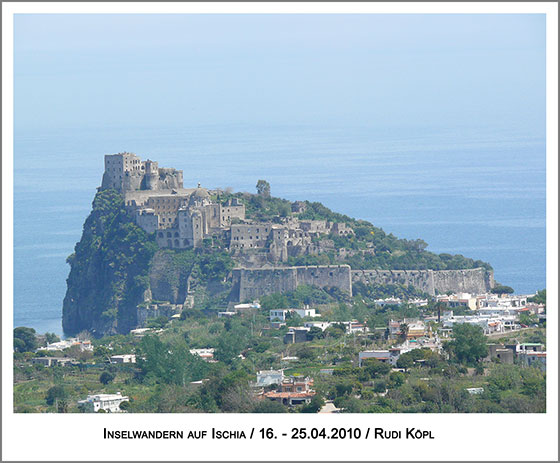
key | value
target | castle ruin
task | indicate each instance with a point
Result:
(183, 218)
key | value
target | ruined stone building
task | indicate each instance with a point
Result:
(183, 217)
(155, 197)
(127, 172)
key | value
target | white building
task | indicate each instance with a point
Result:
(388, 301)
(418, 302)
(268, 377)
(205, 354)
(281, 314)
(498, 310)
(475, 390)
(67, 343)
(124, 358)
(322, 325)
(489, 324)
(252, 305)
(226, 314)
(278, 315)
(392, 354)
(459, 300)
(307, 312)
(354, 326)
(108, 402)
(493, 300)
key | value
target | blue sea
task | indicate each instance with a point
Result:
(479, 192)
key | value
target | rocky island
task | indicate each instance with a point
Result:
(151, 247)
(189, 300)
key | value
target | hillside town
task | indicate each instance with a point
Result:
(310, 352)
(196, 300)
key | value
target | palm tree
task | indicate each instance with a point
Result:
(404, 332)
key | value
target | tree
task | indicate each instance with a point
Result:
(158, 322)
(124, 405)
(528, 319)
(307, 353)
(380, 386)
(343, 389)
(24, 339)
(263, 188)
(405, 361)
(396, 379)
(269, 406)
(315, 333)
(539, 298)
(19, 345)
(106, 377)
(62, 405)
(469, 345)
(335, 331)
(56, 393)
(51, 337)
(404, 332)
(79, 354)
(375, 368)
(314, 406)
(348, 404)
(103, 352)
(502, 289)
(169, 363)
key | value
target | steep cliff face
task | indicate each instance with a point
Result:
(174, 275)
(168, 280)
(116, 266)
(108, 271)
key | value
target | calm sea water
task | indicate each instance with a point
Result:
(477, 192)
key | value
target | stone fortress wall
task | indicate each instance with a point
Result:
(475, 281)
(251, 284)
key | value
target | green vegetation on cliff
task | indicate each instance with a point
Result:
(108, 270)
(372, 247)
(111, 270)
(117, 266)
(389, 252)
(303, 295)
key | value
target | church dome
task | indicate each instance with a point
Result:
(199, 195)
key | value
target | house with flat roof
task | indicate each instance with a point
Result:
(52, 361)
(296, 335)
(123, 358)
(108, 402)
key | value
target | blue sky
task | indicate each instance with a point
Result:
(378, 70)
